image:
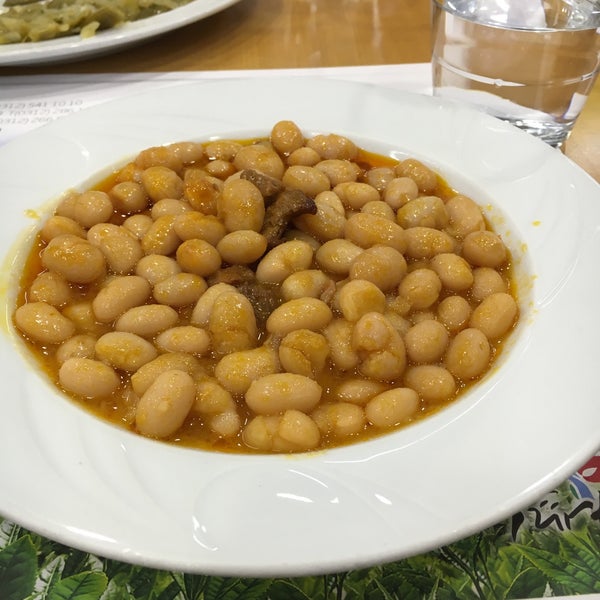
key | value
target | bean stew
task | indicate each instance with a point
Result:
(282, 294)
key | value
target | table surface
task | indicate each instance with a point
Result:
(272, 34)
(266, 34)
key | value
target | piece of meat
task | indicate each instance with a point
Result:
(264, 297)
(232, 275)
(268, 186)
(288, 205)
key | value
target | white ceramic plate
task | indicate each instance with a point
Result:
(529, 425)
(73, 47)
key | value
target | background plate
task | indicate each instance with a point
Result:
(523, 430)
(73, 48)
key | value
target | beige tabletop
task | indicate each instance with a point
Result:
(265, 34)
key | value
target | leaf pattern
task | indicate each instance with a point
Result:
(50, 573)
(578, 577)
(83, 586)
(9, 532)
(18, 566)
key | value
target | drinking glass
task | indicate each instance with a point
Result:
(529, 62)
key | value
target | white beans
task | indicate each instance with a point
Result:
(156, 267)
(465, 216)
(426, 211)
(50, 287)
(310, 282)
(392, 407)
(206, 302)
(380, 348)
(120, 247)
(201, 191)
(147, 320)
(185, 338)
(339, 419)
(194, 224)
(310, 180)
(355, 194)
(128, 197)
(304, 352)
(286, 137)
(78, 346)
(294, 431)
(367, 230)
(119, 295)
(181, 289)
(454, 312)
(88, 378)
(232, 324)
(433, 383)
(87, 209)
(469, 354)
(379, 177)
(339, 335)
(454, 271)
(486, 281)
(74, 258)
(422, 175)
(329, 221)
(241, 206)
(399, 191)
(484, 249)
(198, 257)
(382, 265)
(125, 351)
(237, 370)
(333, 146)
(82, 316)
(161, 182)
(338, 171)
(283, 260)
(161, 238)
(43, 323)
(276, 393)
(426, 242)
(166, 403)
(300, 313)
(426, 341)
(261, 158)
(358, 297)
(145, 375)
(337, 256)
(57, 225)
(138, 225)
(242, 247)
(379, 209)
(298, 430)
(358, 390)
(421, 288)
(282, 294)
(218, 408)
(495, 315)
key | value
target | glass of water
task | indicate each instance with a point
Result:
(529, 62)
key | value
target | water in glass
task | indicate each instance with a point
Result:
(530, 62)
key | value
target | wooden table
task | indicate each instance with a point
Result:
(265, 34)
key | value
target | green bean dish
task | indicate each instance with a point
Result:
(39, 20)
